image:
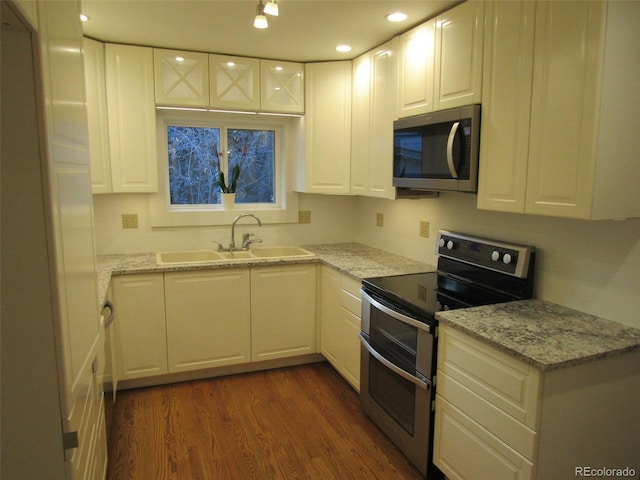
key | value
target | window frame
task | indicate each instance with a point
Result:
(285, 208)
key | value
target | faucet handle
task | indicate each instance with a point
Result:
(247, 240)
(220, 247)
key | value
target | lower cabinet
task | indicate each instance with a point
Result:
(340, 308)
(208, 318)
(283, 311)
(185, 321)
(141, 336)
(498, 417)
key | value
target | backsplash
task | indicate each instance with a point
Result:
(592, 266)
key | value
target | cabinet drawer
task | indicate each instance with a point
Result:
(515, 434)
(505, 382)
(465, 450)
(350, 295)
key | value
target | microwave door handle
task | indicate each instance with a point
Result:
(424, 384)
(452, 137)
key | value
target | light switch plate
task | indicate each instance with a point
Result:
(304, 216)
(424, 229)
(379, 220)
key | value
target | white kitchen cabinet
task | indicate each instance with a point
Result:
(506, 107)
(141, 337)
(580, 162)
(181, 78)
(340, 311)
(499, 417)
(131, 118)
(416, 70)
(327, 162)
(282, 87)
(283, 311)
(234, 83)
(373, 111)
(458, 56)
(208, 318)
(94, 71)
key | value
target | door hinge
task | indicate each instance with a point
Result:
(70, 440)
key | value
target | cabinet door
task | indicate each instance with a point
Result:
(181, 78)
(328, 128)
(416, 70)
(361, 123)
(330, 332)
(350, 338)
(282, 87)
(234, 82)
(283, 311)
(97, 116)
(132, 118)
(506, 106)
(208, 318)
(141, 338)
(566, 79)
(464, 450)
(458, 64)
(384, 86)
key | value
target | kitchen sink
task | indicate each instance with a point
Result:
(190, 256)
(280, 252)
(205, 256)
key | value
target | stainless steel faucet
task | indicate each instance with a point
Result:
(246, 241)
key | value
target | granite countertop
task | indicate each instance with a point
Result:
(543, 334)
(354, 259)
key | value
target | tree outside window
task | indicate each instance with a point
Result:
(197, 154)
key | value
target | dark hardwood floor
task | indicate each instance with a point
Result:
(289, 423)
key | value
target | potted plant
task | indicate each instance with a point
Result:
(228, 192)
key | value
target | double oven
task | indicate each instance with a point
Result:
(399, 331)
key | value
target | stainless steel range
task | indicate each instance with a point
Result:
(399, 331)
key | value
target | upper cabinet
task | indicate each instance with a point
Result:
(441, 61)
(416, 70)
(132, 118)
(373, 111)
(97, 116)
(327, 163)
(458, 56)
(282, 87)
(181, 78)
(580, 162)
(234, 82)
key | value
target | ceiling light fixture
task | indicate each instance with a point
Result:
(271, 8)
(397, 17)
(260, 21)
(343, 48)
(84, 18)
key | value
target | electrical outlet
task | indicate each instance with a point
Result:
(379, 220)
(304, 216)
(129, 220)
(424, 229)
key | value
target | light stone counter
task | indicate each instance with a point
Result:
(355, 259)
(543, 334)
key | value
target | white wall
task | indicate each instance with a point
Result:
(591, 266)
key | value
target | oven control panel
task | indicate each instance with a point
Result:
(492, 254)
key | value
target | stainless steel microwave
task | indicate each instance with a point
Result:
(438, 151)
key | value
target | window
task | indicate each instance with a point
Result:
(195, 147)
(197, 155)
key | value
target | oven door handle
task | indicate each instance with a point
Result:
(425, 384)
(398, 316)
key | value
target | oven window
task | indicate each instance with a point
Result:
(393, 393)
(394, 339)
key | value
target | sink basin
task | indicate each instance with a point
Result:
(280, 252)
(237, 255)
(190, 256)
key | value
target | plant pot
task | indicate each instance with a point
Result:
(228, 200)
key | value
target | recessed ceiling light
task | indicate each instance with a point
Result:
(343, 48)
(84, 18)
(397, 17)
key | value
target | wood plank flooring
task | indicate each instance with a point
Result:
(299, 422)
